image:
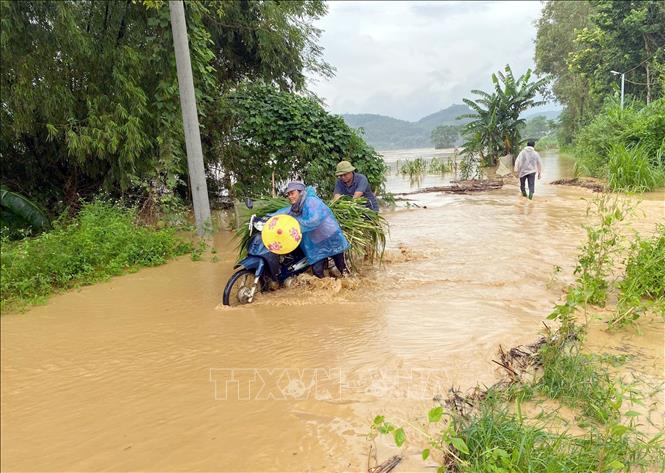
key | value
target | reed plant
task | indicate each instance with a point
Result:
(413, 167)
(439, 166)
(629, 169)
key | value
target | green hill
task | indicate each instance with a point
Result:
(384, 132)
(446, 116)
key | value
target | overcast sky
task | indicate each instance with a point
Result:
(410, 59)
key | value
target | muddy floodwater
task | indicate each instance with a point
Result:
(146, 372)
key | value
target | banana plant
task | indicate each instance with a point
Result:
(495, 123)
(18, 207)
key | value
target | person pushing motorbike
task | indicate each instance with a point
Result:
(322, 236)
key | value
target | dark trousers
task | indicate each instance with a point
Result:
(319, 266)
(532, 183)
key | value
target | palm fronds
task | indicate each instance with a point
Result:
(494, 128)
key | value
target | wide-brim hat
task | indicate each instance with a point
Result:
(343, 167)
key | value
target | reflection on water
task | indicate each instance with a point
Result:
(144, 372)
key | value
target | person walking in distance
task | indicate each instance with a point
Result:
(527, 164)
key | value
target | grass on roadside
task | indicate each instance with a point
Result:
(487, 431)
(104, 240)
(643, 286)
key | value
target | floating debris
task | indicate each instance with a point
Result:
(461, 187)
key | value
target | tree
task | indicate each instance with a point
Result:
(557, 30)
(625, 36)
(445, 136)
(538, 127)
(89, 92)
(266, 130)
(579, 43)
(495, 125)
(273, 41)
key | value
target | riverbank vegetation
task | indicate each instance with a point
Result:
(625, 147)
(495, 127)
(583, 48)
(515, 424)
(105, 239)
(63, 141)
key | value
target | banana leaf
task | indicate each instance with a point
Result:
(21, 207)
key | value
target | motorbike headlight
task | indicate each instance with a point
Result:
(258, 225)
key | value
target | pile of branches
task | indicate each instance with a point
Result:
(461, 187)
(585, 183)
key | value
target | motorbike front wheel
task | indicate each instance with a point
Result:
(239, 288)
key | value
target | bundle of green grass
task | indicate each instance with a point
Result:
(365, 229)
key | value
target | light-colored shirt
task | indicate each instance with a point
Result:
(528, 162)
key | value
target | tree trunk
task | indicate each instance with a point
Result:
(648, 85)
(123, 24)
(646, 66)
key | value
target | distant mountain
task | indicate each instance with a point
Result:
(549, 114)
(385, 132)
(446, 116)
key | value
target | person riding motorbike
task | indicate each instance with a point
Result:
(322, 236)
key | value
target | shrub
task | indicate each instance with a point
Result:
(599, 147)
(104, 240)
(630, 170)
(643, 285)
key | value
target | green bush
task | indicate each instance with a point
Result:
(104, 240)
(599, 147)
(269, 133)
(548, 142)
(630, 170)
(643, 286)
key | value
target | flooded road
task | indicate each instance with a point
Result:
(145, 372)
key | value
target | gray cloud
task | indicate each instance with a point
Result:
(410, 59)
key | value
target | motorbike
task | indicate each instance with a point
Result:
(260, 269)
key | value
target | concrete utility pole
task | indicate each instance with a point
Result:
(623, 78)
(190, 118)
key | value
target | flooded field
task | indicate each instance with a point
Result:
(146, 371)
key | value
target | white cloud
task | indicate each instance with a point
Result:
(410, 59)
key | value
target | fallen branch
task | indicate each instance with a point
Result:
(585, 183)
(386, 466)
(460, 187)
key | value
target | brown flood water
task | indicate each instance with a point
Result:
(131, 374)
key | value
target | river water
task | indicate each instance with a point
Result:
(146, 372)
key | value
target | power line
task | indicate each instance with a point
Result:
(658, 49)
(637, 83)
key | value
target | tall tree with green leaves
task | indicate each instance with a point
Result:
(89, 91)
(557, 30)
(495, 125)
(627, 36)
(269, 40)
(579, 43)
(445, 136)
